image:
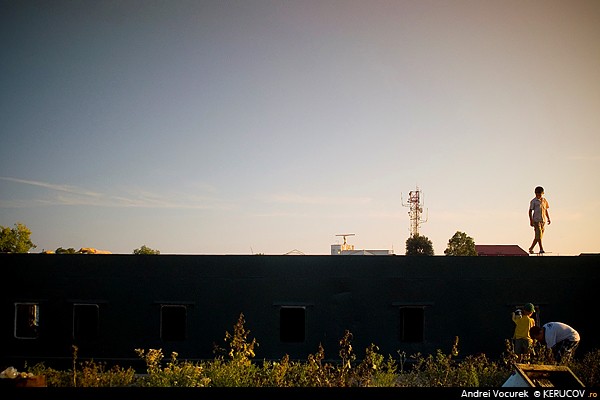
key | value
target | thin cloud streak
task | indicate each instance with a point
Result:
(51, 186)
(73, 196)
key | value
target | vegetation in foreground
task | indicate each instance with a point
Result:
(234, 366)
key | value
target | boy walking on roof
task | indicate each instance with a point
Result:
(538, 214)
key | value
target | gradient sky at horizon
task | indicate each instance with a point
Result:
(238, 127)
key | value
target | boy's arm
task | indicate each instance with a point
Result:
(530, 214)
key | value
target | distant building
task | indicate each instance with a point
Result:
(346, 249)
(91, 250)
(291, 304)
(500, 250)
(336, 250)
(294, 252)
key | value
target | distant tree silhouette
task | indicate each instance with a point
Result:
(461, 245)
(145, 250)
(418, 245)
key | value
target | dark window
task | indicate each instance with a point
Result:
(85, 321)
(27, 320)
(292, 324)
(172, 322)
(411, 324)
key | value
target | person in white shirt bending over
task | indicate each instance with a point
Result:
(558, 336)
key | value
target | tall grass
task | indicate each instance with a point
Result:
(234, 366)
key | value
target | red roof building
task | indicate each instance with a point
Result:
(500, 250)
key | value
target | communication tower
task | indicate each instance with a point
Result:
(415, 204)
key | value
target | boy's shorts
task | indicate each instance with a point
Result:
(523, 346)
(538, 228)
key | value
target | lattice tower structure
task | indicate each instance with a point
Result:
(415, 204)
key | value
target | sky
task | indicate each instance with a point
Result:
(245, 127)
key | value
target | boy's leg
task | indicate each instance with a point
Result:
(528, 351)
(540, 235)
(538, 229)
(532, 246)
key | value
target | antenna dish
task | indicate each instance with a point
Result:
(345, 246)
(344, 235)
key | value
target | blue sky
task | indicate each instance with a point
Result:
(239, 127)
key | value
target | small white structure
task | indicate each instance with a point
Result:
(346, 249)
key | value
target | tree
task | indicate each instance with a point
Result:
(15, 240)
(461, 245)
(70, 250)
(419, 246)
(145, 250)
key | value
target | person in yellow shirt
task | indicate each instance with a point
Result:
(523, 343)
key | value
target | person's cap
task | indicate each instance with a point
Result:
(529, 307)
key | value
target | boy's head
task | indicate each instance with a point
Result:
(529, 309)
(539, 190)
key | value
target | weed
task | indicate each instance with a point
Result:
(233, 366)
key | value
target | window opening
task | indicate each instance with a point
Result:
(292, 324)
(86, 319)
(173, 322)
(27, 320)
(411, 324)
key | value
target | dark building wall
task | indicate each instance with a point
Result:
(466, 297)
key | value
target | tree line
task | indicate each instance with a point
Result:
(18, 240)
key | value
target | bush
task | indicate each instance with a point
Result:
(174, 374)
(234, 366)
(588, 370)
(85, 374)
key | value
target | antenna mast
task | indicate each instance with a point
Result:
(415, 204)
(345, 246)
